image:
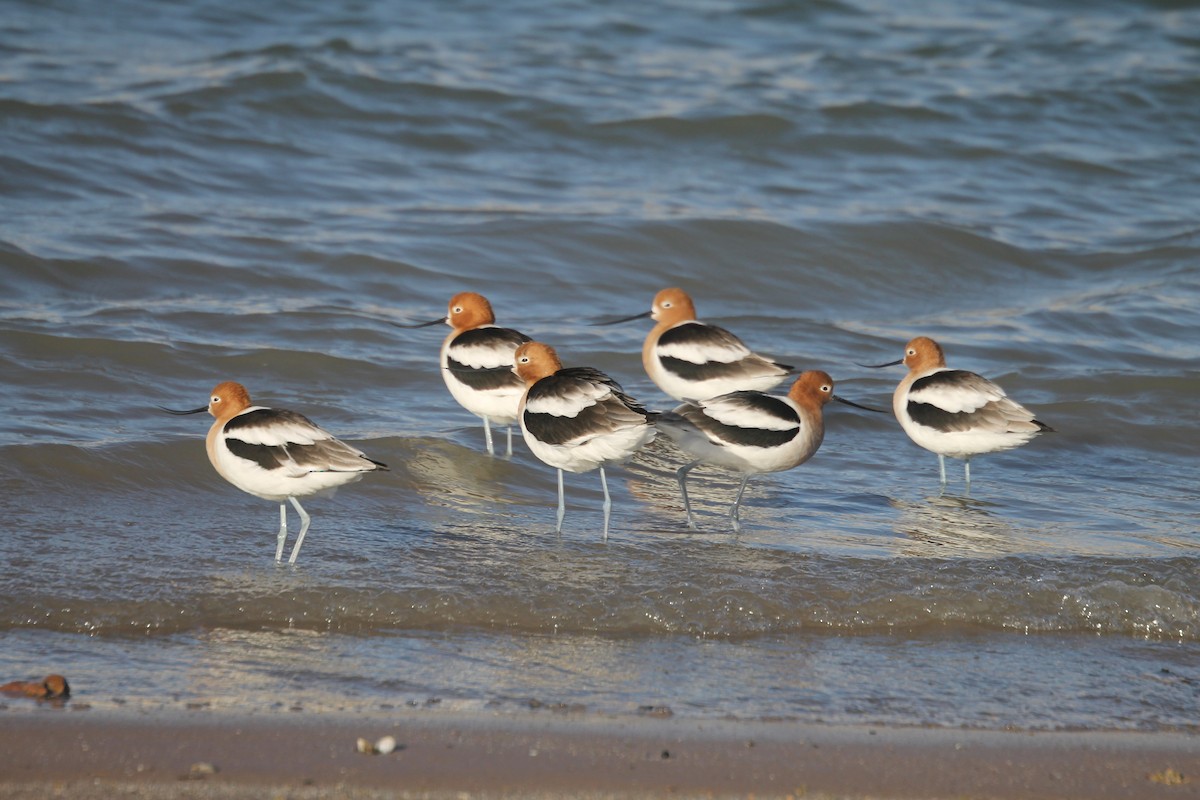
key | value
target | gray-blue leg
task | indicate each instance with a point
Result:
(682, 474)
(733, 512)
(942, 468)
(607, 502)
(487, 436)
(304, 520)
(967, 471)
(282, 531)
(509, 453)
(562, 505)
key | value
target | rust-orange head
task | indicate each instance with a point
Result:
(671, 306)
(469, 310)
(533, 361)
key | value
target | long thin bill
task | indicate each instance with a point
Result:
(438, 321)
(182, 413)
(643, 315)
(844, 401)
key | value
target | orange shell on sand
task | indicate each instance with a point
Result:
(49, 687)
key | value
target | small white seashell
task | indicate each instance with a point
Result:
(385, 745)
(364, 746)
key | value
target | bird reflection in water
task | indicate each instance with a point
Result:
(952, 524)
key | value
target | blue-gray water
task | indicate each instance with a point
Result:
(198, 192)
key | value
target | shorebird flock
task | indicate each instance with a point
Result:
(577, 419)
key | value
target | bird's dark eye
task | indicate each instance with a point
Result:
(216, 399)
(827, 388)
(666, 304)
(458, 309)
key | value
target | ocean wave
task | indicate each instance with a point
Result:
(750, 595)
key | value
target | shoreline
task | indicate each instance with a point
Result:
(85, 755)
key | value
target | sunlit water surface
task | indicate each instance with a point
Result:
(200, 192)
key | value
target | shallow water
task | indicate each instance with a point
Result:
(194, 194)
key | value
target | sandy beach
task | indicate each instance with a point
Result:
(73, 754)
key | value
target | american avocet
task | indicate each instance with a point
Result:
(276, 455)
(477, 360)
(952, 412)
(577, 419)
(751, 432)
(691, 360)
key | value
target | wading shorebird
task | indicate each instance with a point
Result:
(277, 455)
(691, 360)
(952, 412)
(477, 359)
(751, 432)
(577, 418)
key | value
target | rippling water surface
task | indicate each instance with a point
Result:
(199, 192)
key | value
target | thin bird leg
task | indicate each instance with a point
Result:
(682, 474)
(942, 468)
(607, 502)
(282, 531)
(509, 429)
(967, 472)
(304, 520)
(733, 512)
(487, 436)
(562, 505)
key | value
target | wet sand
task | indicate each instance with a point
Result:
(78, 754)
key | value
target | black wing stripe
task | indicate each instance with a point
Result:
(265, 455)
(264, 417)
(749, 437)
(940, 419)
(690, 371)
(483, 379)
(944, 378)
(698, 334)
(490, 337)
